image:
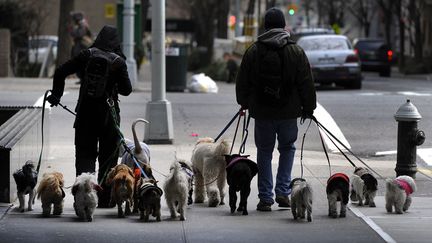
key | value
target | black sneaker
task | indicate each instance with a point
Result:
(263, 206)
(283, 201)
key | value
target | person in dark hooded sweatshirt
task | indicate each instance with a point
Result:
(95, 124)
(275, 84)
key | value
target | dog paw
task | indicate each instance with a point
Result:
(158, 219)
(245, 212)
(233, 209)
(21, 210)
(89, 219)
(342, 215)
(182, 218)
(198, 200)
(372, 205)
(309, 219)
(222, 203)
(333, 215)
(29, 209)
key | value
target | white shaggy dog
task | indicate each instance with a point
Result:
(398, 193)
(209, 167)
(177, 186)
(84, 191)
(301, 199)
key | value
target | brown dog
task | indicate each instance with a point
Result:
(122, 181)
(50, 191)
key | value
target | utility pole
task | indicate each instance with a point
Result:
(159, 111)
(128, 39)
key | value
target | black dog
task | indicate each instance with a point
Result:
(337, 190)
(149, 199)
(240, 171)
(26, 180)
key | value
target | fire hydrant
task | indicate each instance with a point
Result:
(409, 137)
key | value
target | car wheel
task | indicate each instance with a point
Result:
(355, 84)
(385, 72)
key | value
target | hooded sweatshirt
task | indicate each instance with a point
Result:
(91, 110)
(297, 72)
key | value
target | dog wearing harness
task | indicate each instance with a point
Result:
(149, 201)
(398, 193)
(363, 187)
(240, 172)
(178, 188)
(301, 199)
(26, 180)
(337, 190)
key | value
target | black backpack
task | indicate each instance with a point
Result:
(97, 72)
(272, 87)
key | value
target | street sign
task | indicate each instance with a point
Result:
(110, 12)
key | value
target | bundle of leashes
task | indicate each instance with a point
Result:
(323, 130)
(122, 140)
(245, 132)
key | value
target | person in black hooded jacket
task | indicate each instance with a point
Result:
(96, 136)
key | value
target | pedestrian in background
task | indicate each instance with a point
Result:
(275, 84)
(97, 113)
(231, 67)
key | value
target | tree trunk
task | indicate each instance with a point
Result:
(145, 5)
(222, 19)
(401, 57)
(418, 42)
(204, 14)
(64, 40)
(366, 28)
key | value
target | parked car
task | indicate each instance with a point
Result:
(333, 60)
(375, 55)
(39, 45)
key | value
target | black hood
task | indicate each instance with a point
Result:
(108, 40)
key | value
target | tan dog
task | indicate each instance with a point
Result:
(209, 167)
(50, 191)
(122, 181)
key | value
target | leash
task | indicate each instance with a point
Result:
(228, 125)
(42, 130)
(334, 139)
(245, 133)
(241, 113)
(302, 146)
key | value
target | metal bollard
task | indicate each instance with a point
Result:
(409, 137)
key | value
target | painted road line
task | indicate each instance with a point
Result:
(325, 118)
(386, 237)
(410, 93)
(384, 153)
(426, 155)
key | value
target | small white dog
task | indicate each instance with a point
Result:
(84, 191)
(398, 193)
(50, 191)
(177, 186)
(301, 199)
(209, 167)
(363, 187)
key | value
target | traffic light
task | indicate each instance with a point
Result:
(292, 8)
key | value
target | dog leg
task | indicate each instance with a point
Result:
(342, 213)
(232, 199)
(353, 195)
(88, 214)
(360, 199)
(407, 203)
(21, 201)
(302, 212)
(294, 208)
(199, 188)
(120, 213)
(32, 195)
(244, 194)
(370, 197)
(221, 186)
(58, 208)
(128, 207)
(146, 214)
(157, 212)
(46, 209)
(389, 206)
(171, 206)
(182, 209)
(309, 211)
(332, 200)
(141, 214)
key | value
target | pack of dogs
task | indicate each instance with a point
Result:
(134, 189)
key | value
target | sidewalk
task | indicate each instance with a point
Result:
(206, 114)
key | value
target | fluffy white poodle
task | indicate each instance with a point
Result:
(209, 167)
(398, 193)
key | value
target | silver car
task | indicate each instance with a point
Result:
(333, 60)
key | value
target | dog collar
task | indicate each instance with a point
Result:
(338, 175)
(188, 171)
(147, 186)
(405, 185)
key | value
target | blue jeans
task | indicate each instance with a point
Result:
(266, 133)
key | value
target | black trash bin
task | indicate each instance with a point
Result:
(176, 67)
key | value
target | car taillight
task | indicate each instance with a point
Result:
(390, 55)
(352, 58)
(356, 51)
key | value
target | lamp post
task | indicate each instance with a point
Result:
(128, 40)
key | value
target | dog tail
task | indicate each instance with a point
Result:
(223, 147)
(391, 185)
(138, 148)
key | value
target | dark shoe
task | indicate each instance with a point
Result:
(263, 206)
(283, 201)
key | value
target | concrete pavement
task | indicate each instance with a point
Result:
(205, 114)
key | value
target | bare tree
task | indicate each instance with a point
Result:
(414, 7)
(399, 11)
(270, 3)
(307, 5)
(363, 11)
(335, 10)
(386, 7)
(64, 41)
